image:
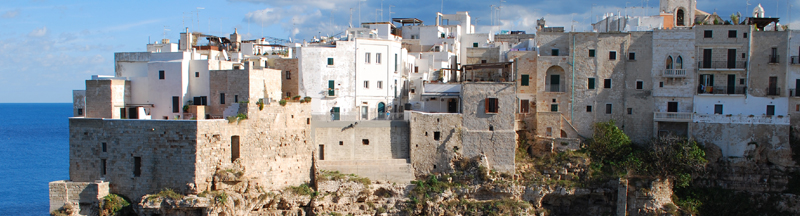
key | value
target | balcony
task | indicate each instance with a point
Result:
(774, 59)
(555, 88)
(331, 93)
(796, 60)
(774, 91)
(721, 90)
(672, 117)
(793, 93)
(728, 65)
(741, 119)
(680, 73)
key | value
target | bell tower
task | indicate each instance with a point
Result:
(682, 11)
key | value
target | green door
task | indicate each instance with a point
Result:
(331, 88)
(335, 114)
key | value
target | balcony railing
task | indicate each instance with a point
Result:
(722, 64)
(795, 59)
(793, 93)
(774, 59)
(555, 88)
(672, 116)
(674, 73)
(721, 89)
(331, 93)
(773, 91)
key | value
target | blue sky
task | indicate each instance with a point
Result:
(50, 47)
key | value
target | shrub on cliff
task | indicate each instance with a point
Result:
(113, 204)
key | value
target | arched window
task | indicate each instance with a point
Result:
(679, 20)
(669, 62)
(679, 63)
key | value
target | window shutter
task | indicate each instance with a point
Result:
(486, 105)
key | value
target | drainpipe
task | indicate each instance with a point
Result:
(749, 53)
(572, 88)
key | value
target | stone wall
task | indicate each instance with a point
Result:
(490, 134)
(249, 84)
(761, 69)
(104, 98)
(81, 195)
(362, 140)
(429, 153)
(758, 142)
(78, 103)
(290, 84)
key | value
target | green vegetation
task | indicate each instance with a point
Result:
(113, 204)
(303, 189)
(219, 197)
(307, 99)
(282, 102)
(326, 175)
(296, 97)
(494, 207)
(165, 193)
(237, 118)
(260, 104)
(718, 201)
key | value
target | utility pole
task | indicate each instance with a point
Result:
(350, 24)
(390, 12)
(198, 16)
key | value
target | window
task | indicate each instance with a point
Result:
(221, 98)
(608, 108)
(607, 83)
(330, 61)
(524, 81)
(103, 166)
(395, 62)
(366, 84)
(554, 52)
(632, 56)
(773, 57)
(365, 141)
(103, 146)
(413, 91)
(137, 166)
(553, 107)
(630, 111)
(731, 33)
(707, 34)
(639, 84)
(416, 69)
(669, 63)
(341, 143)
(234, 148)
(288, 75)
(591, 53)
(770, 110)
(797, 108)
(483, 61)
(377, 58)
(661, 84)
(588, 108)
(679, 63)
(380, 84)
(612, 55)
(196, 74)
(491, 105)
(474, 44)
(236, 98)
(176, 103)
(437, 135)
(718, 109)
(236, 67)
(745, 35)
(161, 74)
(590, 85)
(524, 106)
(743, 55)
(80, 111)
(366, 58)
(442, 35)
(321, 152)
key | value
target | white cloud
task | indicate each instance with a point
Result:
(38, 32)
(321, 4)
(264, 17)
(10, 14)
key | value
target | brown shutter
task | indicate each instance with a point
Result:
(486, 105)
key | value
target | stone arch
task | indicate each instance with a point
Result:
(554, 79)
(679, 62)
(680, 17)
(563, 134)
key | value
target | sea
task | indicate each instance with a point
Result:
(34, 150)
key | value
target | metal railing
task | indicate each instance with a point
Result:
(773, 91)
(674, 73)
(672, 116)
(793, 93)
(555, 88)
(774, 59)
(721, 89)
(722, 64)
(795, 59)
(331, 93)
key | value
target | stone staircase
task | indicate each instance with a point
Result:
(391, 170)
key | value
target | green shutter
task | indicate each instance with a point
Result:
(331, 88)
(330, 61)
(525, 80)
(474, 44)
(591, 83)
(553, 107)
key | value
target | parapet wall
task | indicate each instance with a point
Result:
(434, 137)
(77, 194)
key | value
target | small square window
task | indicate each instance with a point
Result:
(797, 108)
(474, 44)
(707, 34)
(437, 135)
(731, 33)
(612, 55)
(660, 84)
(377, 58)
(554, 52)
(365, 141)
(718, 109)
(288, 75)
(413, 91)
(588, 108)
(196, 74)
(743, 55)
(341, 143)
(161, 74)
(745, 35)
(639, 84)
(608, 108)
(366, 58)
(380, 84)
(491, 105)
(366, 84)
(591, 83)
(632, 56)
(591, 53)
(416, 69)
(483, 61)
(80, 111)
(103, 145)
(236, 98)
(525, 80)
(607, 83)
(630, 111)
(553, 107)
(741, 81)
(330, 61)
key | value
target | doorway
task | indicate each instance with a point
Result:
(731, 84)
(452, 105)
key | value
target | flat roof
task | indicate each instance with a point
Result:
(406, 20)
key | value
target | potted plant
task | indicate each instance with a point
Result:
(186, 108)
(282, 102)
(296, 98)
(260, 104)
(307, 99)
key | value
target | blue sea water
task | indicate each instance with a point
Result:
(34, 150)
